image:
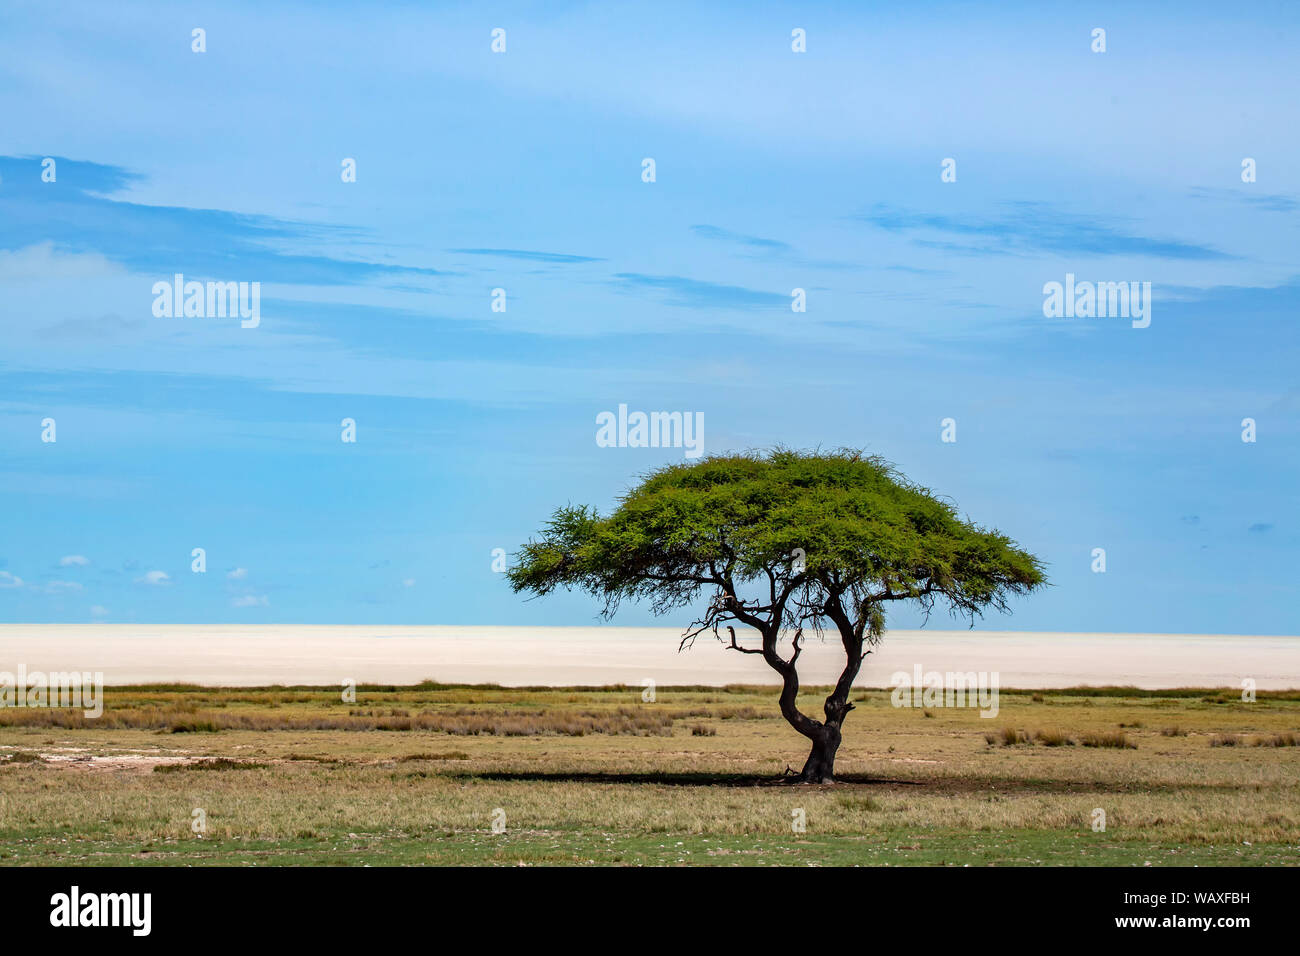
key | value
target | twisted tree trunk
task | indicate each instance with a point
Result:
(820, 765)
(825, 735)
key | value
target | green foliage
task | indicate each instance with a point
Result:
(866, 534)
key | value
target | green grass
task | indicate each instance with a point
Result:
(898, 847)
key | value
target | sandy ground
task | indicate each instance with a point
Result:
(559, 656)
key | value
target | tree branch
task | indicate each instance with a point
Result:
(736, 647)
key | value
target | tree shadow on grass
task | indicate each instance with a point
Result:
(686, 779)
(946, 785)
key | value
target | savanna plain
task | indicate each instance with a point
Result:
(456, 774)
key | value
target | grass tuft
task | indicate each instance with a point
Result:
(24, 756)
(1053, 738)
(446, 755)
(217, 763)
(1287, 739)
(1109, 738)
(1011, 737)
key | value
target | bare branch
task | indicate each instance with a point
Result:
(736, 647)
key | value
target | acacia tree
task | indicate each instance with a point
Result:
(822, 542)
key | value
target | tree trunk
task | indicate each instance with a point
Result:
(820, 766)
(825, 735)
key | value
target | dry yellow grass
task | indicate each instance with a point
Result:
(293, 776)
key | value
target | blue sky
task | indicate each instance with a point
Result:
(522, 170)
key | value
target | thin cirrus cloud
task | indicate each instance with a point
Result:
(1269, 202)
(698, 294)
(79, 217)
(753, 242)
(528, 255)
(1027, 227)
(756, 247)
(107, 328)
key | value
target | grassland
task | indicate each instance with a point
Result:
(415, 775)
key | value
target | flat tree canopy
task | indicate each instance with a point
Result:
(815, 540)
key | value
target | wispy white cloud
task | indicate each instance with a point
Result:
(57, 587)
(44, 260)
